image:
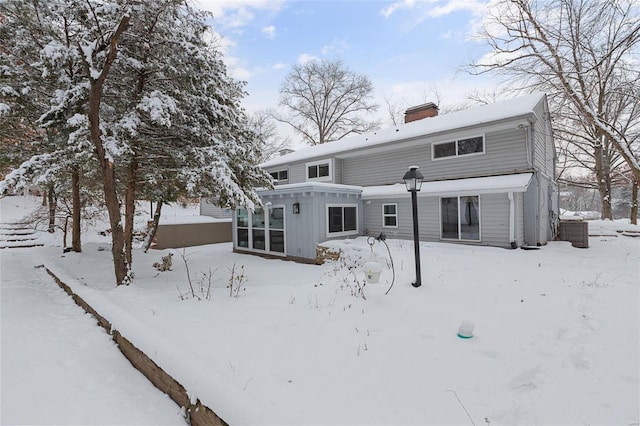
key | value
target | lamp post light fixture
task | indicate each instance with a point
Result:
(413, 180)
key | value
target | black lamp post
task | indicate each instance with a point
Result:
(413, 180)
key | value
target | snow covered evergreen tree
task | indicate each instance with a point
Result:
(35, 39)
(181, 124)
(142, 83)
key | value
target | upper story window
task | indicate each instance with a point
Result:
(280, 176)
(319, 170)
(458, 147)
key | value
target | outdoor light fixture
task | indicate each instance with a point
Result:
(413, 180)
(296, 208)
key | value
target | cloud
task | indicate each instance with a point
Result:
(270, 32)
(236, 70)
(404, 4)
(429, 9)
(335, 47)
(306, 57)
(231, 14)
(451, 6)
(230, 17)
(279, 66)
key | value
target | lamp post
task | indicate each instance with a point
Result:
(413, 180)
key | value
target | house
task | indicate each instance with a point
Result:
(489, 179)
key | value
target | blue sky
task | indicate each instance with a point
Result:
(407, 48)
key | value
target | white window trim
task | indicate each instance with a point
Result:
(484, 148)
(343, 233)
(390, 215)
(329, 178)
(266, 229)
(459, 221)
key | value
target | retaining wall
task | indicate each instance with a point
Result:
(197, 414)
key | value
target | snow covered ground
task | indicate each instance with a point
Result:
(556, 336)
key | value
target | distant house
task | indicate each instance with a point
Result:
(489, 180)
(210, 207)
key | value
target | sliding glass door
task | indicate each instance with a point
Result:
(460, 218)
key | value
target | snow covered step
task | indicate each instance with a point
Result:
(4, 246)
(13, 240)
(20, 233)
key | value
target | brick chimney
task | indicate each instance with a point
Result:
(421, 111)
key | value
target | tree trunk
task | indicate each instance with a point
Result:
(634, 202)
(51, 196)
(151, 234)
(76, 244)
(129, 208)
(601, 179)
(109, 183)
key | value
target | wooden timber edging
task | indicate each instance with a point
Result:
(197, 414)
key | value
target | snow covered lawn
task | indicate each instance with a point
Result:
(556, 331)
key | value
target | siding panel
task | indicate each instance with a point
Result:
(495, 219)
(505, 153)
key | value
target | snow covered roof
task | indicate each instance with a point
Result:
(296, 188)
(473, 186)
(509, 109)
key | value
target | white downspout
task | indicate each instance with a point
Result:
(512, 220)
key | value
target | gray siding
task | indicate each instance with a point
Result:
(539, 211)
(305, 230)
(209, 208)
(505, 152)
(494, 219)
(544, 150)
(297, 173)
(531, 213)
(519, 222)
(337, 170)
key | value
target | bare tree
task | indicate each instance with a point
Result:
(583, 146)
(325, 101)
(581, 52)
(262, 123)
(396, 109)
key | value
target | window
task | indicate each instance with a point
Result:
(262, 230)
(242, 227)
(389, 215)
(276, 229)
(444, 150)
(257, 229)
(320, 170)
(342, 220)
(280, 175)
(459, 147)
(460, 218)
